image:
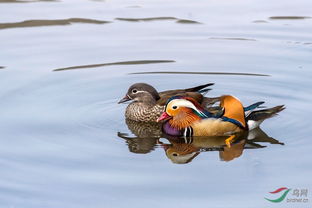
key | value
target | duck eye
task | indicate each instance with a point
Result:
(175, 154)
(134, 91)
(174, 107)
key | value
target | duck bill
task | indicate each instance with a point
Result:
(124, 99)
(163, 117)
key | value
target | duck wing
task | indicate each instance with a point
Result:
(194, 92)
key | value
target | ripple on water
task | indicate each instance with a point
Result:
(137, 62)
(200, 73)
(26, 1)
(63, 135)
(150, 19)
(55, 22)
(99, 115)
(289, 17)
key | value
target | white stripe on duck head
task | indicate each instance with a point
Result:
(175, 102)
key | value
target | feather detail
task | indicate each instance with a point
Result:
(233, 109)
(253, 106)
(214, 127)
(184, 119)
(255, 118)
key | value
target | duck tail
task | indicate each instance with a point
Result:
(255, 118)
(253, 106)
(204, 91)
(201, 88)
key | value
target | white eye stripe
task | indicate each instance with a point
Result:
(186, 103)
(182, 103)
(138, 91)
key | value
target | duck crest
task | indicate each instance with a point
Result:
(184, 111)
(174, 98)
(194, 106)
(233, 110)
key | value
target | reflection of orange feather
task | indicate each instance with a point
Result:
(233, 109)
(235, 151)
(181, 149)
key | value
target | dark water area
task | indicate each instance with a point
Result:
(64, 65)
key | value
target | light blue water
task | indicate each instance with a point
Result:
(58, 130)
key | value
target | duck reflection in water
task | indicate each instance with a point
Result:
(146, 136)
(184, 150)
(180, 150)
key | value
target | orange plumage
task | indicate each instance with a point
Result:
(233, 109)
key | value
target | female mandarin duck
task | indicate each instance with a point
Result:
(148, 104)
(185, 117)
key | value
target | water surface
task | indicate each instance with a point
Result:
(64, 139)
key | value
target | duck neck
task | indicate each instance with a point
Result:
(183, 120)
(147, 100)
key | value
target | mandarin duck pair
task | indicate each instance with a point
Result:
(148, 104)
(186, 112)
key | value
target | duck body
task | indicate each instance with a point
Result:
(214, 127)
(185, 117)
(148, 104)
(203, 127)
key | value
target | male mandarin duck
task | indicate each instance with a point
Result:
(148, 104)
(185, 117)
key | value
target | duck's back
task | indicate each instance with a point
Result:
(194, 92)
(164, 96)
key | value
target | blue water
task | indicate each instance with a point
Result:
(59, 129)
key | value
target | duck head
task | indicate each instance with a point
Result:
(181, 112)
(141, 92)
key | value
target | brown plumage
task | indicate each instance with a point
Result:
(148, 104)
